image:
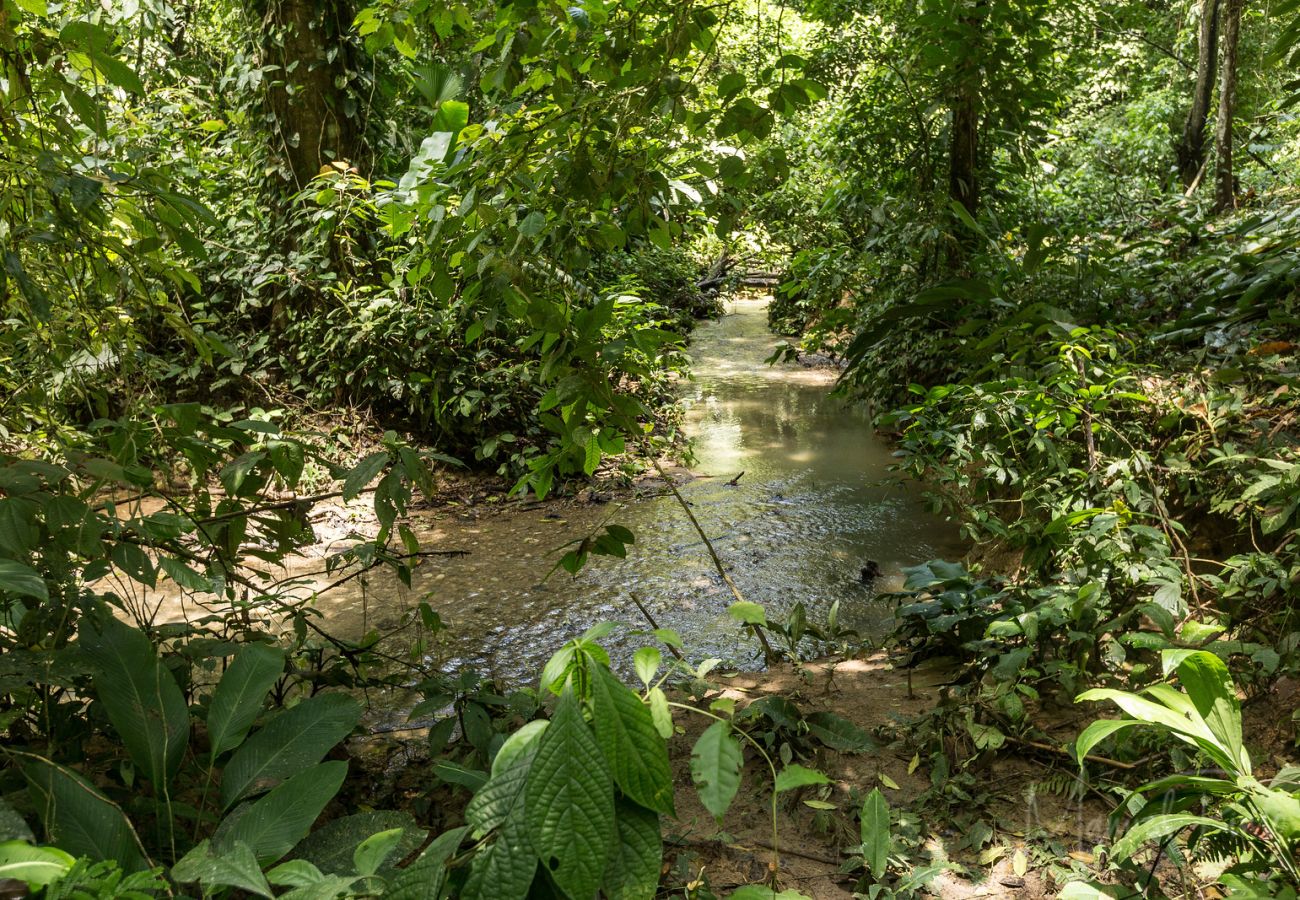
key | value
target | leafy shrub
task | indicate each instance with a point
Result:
(666, 277)
(1224, 808)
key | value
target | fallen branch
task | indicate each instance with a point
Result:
(769, 655)
(655, 625)
(1061, 751)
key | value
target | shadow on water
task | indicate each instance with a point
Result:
(815, 503)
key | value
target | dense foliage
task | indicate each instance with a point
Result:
(257, 255)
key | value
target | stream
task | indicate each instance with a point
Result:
(815, 503)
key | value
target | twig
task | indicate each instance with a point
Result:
(1061, 751)
(768, 653)
(655, 625)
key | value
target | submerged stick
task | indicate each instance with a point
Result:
(769, 655)
(655, 625)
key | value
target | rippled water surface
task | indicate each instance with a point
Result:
(815, 502)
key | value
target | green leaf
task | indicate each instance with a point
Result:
(241, 694)
(452, 117)
(660, 713)
(141, 697)
(533, 224)
(423, 879)
(293, 740)
(503, 795)
(569, 802)
(1157, 828)
(838, 733)
(12, 825)
(332, 847)
(1281, 809)
(35, 7)
(134, 563)
(96, 44)
(1191, 731)
(646, 661)
(235, 866)
(81, 820)
(1211, 690)
(374, 850)
(35, 866)
(273, 824)
(626, 733)
(716, 762)
(633, 871)
(183, 575)
(1097, 732)
(505, 870)
(876, 839)
(363, 473)
(516, 744)
(797, 776)
(23, 580)
(591, 456)
(295, 873)
(748, 613)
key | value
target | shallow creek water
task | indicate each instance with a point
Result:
(816, 501)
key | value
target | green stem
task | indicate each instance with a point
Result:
(776, 844)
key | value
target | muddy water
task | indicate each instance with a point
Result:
(815, 503)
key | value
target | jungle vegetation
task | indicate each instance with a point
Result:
(255, 253)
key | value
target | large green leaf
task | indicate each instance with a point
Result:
(505, 869)
(1097, 732)
(626, 732)
(22, 580)
(331, 848)
(503, 795)
(36, 866)
(273, 824)
(1194, 732)
(569, 803)
(363, 473)
(81, 820)
(633, 871)
(234, 866)
(240, 695)
(1210, 687)
(716, 761)
(797, 776)
(297, 738)
(1158, 828)
(838, 733)
(424, 878)
(875, 833)
(142, 699)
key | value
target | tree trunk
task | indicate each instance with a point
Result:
(307, 97)
(963, 155)
(963, 151)
(1190, 149)
(1225, 191)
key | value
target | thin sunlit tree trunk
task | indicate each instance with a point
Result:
(1225, 192)
(1191, 146)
